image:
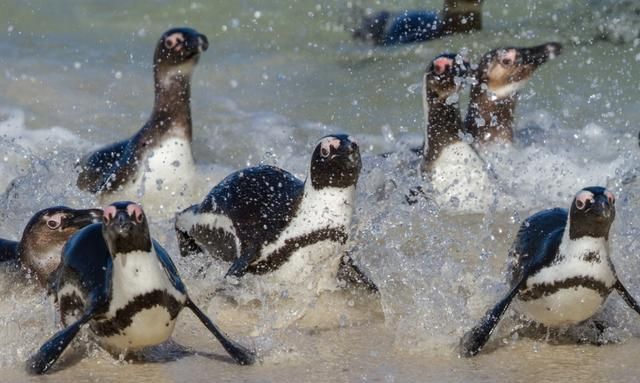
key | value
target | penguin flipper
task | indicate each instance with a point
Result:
(55, 346)
(169, 267)
(8, 250)
(349, 272)
(241, 264)
(106, 168)
(626, 296)
(473, 341)
(239, 353)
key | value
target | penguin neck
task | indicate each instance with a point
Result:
(172, 104)
(461, 16)
(490, 118)
(574, 246)
(443, 128)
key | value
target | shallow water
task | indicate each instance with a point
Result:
(278, 75)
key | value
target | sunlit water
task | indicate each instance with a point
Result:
(278, 75)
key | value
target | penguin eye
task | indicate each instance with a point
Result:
(582, 198)
(324, 152)
(507, 61)
(135, 211)
(53, 224)
(109, 213)
(610, 197)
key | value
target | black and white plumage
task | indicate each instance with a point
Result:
(561, 272)
(40, 247)
(454, 168)
(123, 284)
(155, 165)
(265, 220)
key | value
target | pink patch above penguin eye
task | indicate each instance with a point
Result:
(442, 64)
(327, 144)
(610, 197)
(582, 198)
(109, 213)
(135, 211)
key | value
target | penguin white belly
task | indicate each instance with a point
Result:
(564, 307)
(460, 181)
(148, 327)
(314, 267)
(139, 276)
(162, 183)
(576, 301)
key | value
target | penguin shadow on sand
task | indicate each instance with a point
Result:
(560, 273)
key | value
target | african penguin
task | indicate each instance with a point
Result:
(116, 278)
(155, 165)
(266, 221)
(40, 248)
(387, 28)
(500, 75)
(457, 173)
(560, 269)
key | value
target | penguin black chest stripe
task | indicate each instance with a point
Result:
(540, 290)
(123, 317)
(282, 254)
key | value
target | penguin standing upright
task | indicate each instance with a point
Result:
(266, 221)
(155, 165)
(122, 283)
(457, 173)
(560, 269)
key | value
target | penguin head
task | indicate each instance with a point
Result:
(445, 76)
(504, 71)
(49, 229)
(178, 50)
(335, 162)
(592, 213)
(125, 228)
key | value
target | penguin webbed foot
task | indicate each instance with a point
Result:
(474, 340)
(239, 353)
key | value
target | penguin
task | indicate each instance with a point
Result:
(458, 175)
(560, 270)
(40, 247)
(500, 75)
(116, 278)
(266, 221)
(156, 164)
(410, 26)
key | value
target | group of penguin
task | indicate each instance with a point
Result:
(105, 269)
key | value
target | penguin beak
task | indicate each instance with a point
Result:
(82, 218)
(197, 43)
(122, 223)
(540, 54)
(600, 207)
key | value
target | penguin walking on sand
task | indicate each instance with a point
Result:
(155, 165)
(122, 283)
(409, 26)
(560, 269)
(264, 220)
(40, 248)
(500, 75)
(458, 175)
